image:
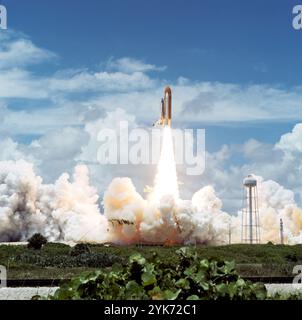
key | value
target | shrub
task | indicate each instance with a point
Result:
(36, 241)
(190, 279)
(286, 296)
(292, 257)
(90, 260)
(80, 248)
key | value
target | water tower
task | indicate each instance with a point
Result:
(250, 225)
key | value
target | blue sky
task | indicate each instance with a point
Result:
(229, 41)
(233, 65)
(233, 41)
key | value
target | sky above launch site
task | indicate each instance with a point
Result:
(68, 68)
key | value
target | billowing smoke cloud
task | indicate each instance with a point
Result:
(69, 211)
(275, 203)
(134, 220)
(66, 210)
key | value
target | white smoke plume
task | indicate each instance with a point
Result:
(134, 220)
(68, 211)
(275, 203)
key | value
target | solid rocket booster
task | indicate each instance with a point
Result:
(166, 109)
(163, 111)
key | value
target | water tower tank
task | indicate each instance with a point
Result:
(250, 226)
(250, 181)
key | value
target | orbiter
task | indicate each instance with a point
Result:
(166, 109)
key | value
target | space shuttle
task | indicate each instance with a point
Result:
(166, 109)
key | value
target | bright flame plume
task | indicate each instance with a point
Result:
(165, 182)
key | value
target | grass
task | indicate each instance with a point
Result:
(55, 262)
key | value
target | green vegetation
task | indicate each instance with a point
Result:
(286, 296)
(36, 242)
(79, 249)
(189, 279)
(57, 260)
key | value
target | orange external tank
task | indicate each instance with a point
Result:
(168, 100)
